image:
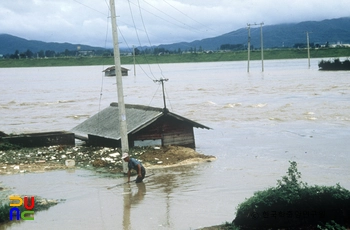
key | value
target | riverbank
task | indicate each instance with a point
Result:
(30, 160)
(218, 56)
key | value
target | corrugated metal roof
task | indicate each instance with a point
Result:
(106, 123)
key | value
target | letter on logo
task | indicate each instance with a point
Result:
(32, 203)
(17, 213)
(29, 217)
(16, 198)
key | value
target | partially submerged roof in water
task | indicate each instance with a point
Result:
(106, 123)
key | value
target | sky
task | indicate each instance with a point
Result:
(153, 22)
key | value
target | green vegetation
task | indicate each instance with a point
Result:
(295, 205)
(178, 58)
(4, 145)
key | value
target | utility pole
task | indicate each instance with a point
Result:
(308, 48)
(248, 46)
(262, 47)
(162, 81)
(261, 44)
(121, 106)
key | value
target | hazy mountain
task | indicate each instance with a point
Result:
(9, 44)
(320, 32)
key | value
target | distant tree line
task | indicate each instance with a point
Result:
(138, 51)
(51, 54)
(311, 44)
(163, 51)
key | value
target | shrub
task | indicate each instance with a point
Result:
(4, 145)
(294, 204)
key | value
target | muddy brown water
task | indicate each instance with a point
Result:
(259, 122)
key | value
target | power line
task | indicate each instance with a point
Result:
(91, 8)
(186, 15)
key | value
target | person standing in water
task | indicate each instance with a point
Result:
(136, 165)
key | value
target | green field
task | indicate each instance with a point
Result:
(269, 54)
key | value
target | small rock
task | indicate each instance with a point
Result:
(108, 159)
(40, 161)
(114, 154)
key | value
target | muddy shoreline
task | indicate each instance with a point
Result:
(34, 160)
(45, 159)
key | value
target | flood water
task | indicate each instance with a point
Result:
(260, 122)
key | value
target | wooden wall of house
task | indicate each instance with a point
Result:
(170, 130)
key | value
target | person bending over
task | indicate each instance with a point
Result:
(136, 165)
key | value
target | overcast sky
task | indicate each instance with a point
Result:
(153, 22)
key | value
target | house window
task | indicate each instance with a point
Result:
(141, 143)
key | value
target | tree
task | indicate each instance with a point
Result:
(29, 53)
(15, 55)
(41, 54)
(50, 53)
(66, 53)
(137, 51)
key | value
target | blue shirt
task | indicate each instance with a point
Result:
(132, 164)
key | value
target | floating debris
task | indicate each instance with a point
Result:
(26, 160)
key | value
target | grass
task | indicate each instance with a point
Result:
(178, 58)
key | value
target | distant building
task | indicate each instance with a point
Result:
(111, 71)
(86, 53)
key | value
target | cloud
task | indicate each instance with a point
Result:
(145, 22)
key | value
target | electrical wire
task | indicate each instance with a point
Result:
(138, 38)
(187, 15)
(102, 77)
(171, 17)
(167, 96)
(149, 41)
(89, 7)
(129, 48)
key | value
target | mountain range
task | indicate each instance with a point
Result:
(9, 44)
(281, 35)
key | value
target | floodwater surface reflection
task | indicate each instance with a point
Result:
(260, 122)
(131, 199)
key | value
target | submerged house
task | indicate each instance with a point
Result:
(110, 71)
(146, 126)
